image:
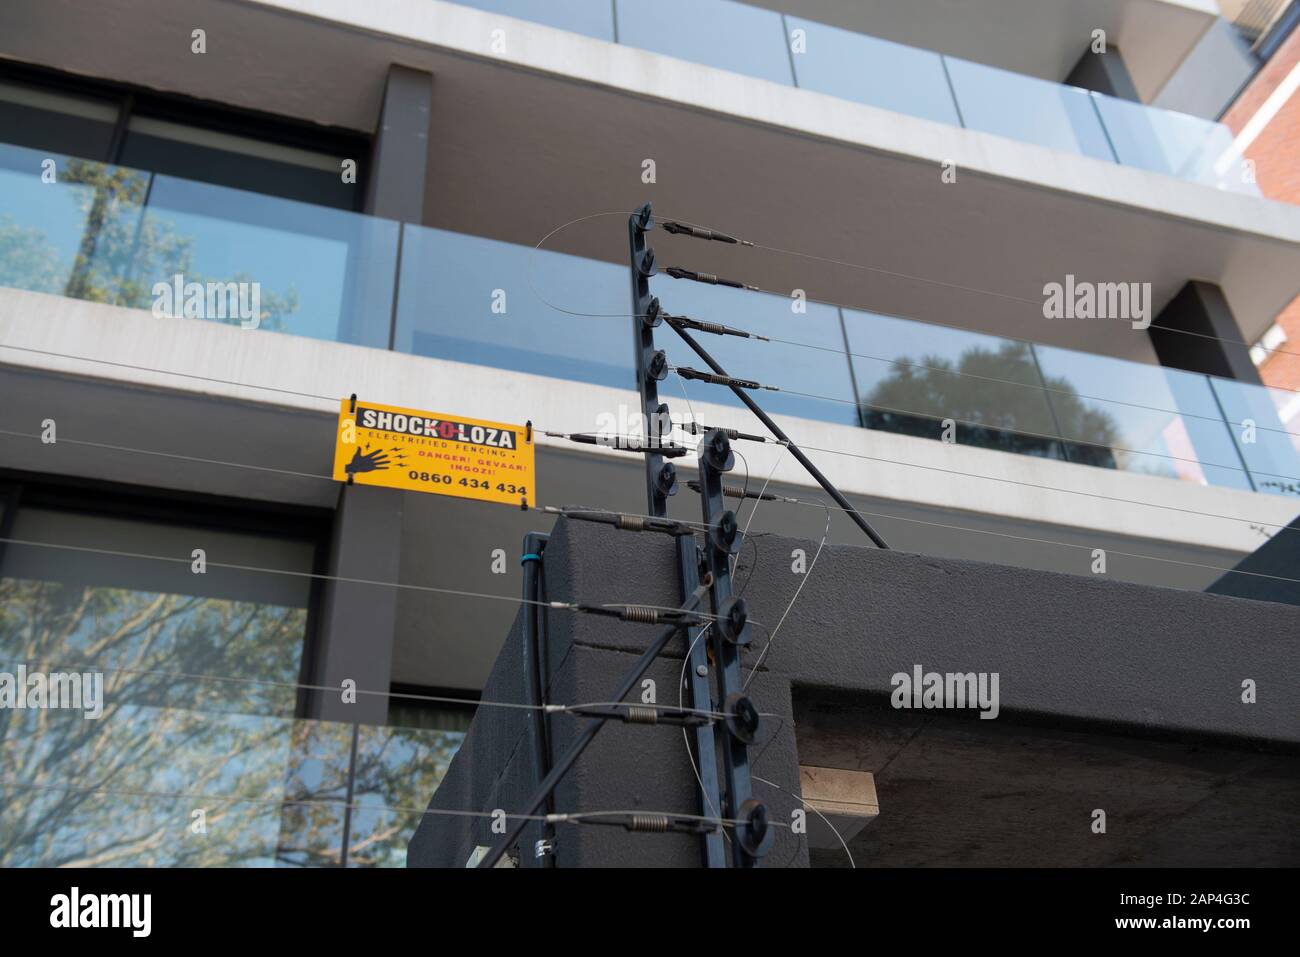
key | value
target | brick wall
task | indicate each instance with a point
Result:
(1276, 153)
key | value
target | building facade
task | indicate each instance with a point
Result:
(1007, 301)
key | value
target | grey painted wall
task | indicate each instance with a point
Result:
(1083, 652)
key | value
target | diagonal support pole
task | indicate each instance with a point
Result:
(587, 735)
(777, 431)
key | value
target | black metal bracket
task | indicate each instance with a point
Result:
(730, 634)
(661, 482)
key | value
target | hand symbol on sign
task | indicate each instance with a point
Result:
(368, 462)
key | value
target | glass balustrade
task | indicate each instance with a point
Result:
(868, 70)
(594, 18)
(121, 236)
(719, 33)
(1187, 147)
(111, 234)
(865, 69)
(1028, 109)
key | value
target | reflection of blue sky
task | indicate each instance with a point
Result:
(595, 18)
(1028, 109)
(873, 71)
(446, 298)
(55, 211)
(1274, 450)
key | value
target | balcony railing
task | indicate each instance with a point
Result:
(797, 52)
(109, 234)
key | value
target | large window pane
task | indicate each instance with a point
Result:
(55, 122)
(199, 680)
(397, 771)
(718, 33)
(179, 149)
(873, 71)
(1027, 109)
(69, 607)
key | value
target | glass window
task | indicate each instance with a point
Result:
(595, 18)
(913, 375)
(1027, 109)
(196, 707)
(873, 71)
(397, 771)
(68, 607)
(718, 33)
(56, 122)
(193, 152)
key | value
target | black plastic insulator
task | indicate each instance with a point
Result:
(754, 833)
(643, 218)
(666, 480)
(732, 618)
(743, 720)
(716, 449)
(725, 533)
(654, 314)
(659, 366)
(645, 262)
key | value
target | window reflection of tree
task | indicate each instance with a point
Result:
(82, 792)
(991, 410)
(126, 246)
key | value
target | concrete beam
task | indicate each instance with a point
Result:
(400, 158)
(1198, 332)
(359, 621)
(1105, 73)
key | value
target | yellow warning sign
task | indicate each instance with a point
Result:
(433, 452)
